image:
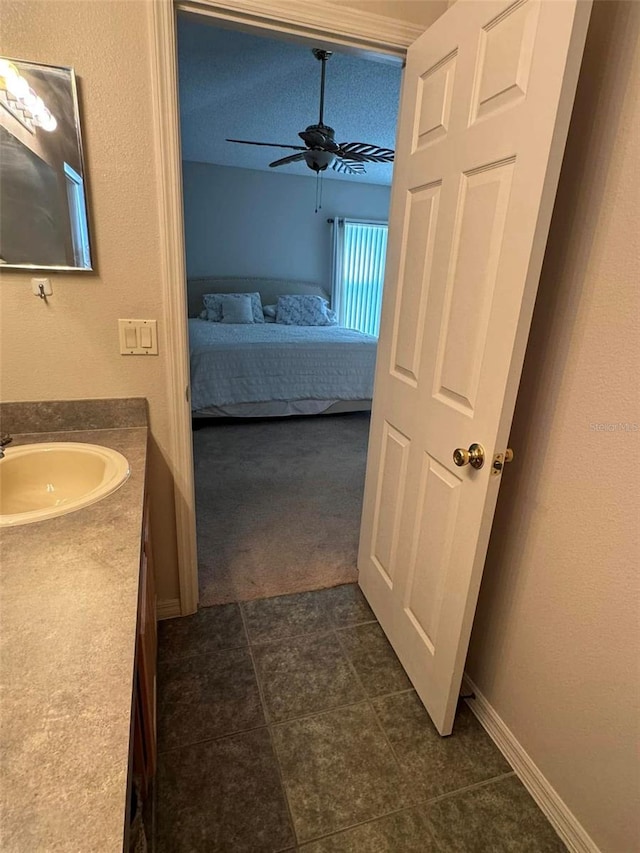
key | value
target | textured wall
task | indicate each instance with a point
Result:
(254, 223)
(555, 641)
(69, 348)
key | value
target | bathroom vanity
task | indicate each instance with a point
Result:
(77, 646)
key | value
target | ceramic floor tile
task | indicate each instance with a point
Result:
(373, 659)
(500, 817)
(205, 697)
(338, 770)
(346, 605)
(222, 796)
(211, 629)
(301, 675)
(437, 765)
(404, 832)
(285, 616)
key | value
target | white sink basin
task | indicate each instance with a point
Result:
(39, 481)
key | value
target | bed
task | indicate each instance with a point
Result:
(269, 369)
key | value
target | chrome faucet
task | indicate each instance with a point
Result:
(4, 440)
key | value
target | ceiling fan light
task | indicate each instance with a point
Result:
(319, 160)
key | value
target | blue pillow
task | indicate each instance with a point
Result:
(305, 311)
(213, 306)
(237, 310)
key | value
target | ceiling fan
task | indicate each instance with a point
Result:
(320, 150)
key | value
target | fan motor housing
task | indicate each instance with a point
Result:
(324, 129)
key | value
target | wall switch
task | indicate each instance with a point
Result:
(41, 287)
(146, 337)
(131, 337)
(138, 337)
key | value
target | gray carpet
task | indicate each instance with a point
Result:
(278, 505)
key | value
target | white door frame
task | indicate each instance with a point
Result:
(328, 26)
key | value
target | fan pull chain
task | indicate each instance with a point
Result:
(318, 191)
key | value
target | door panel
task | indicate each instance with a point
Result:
(477, 240)
(439, 493)
(422, 218)
(435, 90)
(389, 502)
(504, 61)
(485, 108)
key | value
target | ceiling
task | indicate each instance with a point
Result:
(243, 86)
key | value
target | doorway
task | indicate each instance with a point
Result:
(280, 436)
(352, 31)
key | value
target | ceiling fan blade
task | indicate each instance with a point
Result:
(365, 152)
(342, 167)
(354, 158)
(291, 159)
(268, 144)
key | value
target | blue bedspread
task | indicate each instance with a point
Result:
(255, 363)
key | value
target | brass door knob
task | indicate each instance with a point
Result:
(474, 456)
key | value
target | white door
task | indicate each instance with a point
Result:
(485, 108)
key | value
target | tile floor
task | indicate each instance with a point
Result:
(288, 724)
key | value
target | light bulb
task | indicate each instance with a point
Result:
(17, 85)
(38, 109)
(48, 121)
(30, 99)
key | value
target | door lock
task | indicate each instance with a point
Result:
(474, 456)
(500, 459)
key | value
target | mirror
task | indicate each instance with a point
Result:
(43, 200)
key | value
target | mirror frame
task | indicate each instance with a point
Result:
(73, 92)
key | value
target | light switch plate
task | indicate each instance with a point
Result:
(138, 337)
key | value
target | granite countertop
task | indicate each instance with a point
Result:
(69, 599)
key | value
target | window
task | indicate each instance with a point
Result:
(359, 254)
(78, 217)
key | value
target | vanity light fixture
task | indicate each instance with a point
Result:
(21, 100)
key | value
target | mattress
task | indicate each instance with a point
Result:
(257, 363)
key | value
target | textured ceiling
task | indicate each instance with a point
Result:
(243, 86)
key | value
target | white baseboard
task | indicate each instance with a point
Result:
(561, 818)
(168, 609)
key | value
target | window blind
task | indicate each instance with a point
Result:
(359, 255)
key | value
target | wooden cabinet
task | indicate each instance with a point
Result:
(144, 704)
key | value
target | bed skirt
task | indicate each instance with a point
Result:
(283, 408)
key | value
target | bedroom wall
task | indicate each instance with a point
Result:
(254, 223)
(556, 636)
